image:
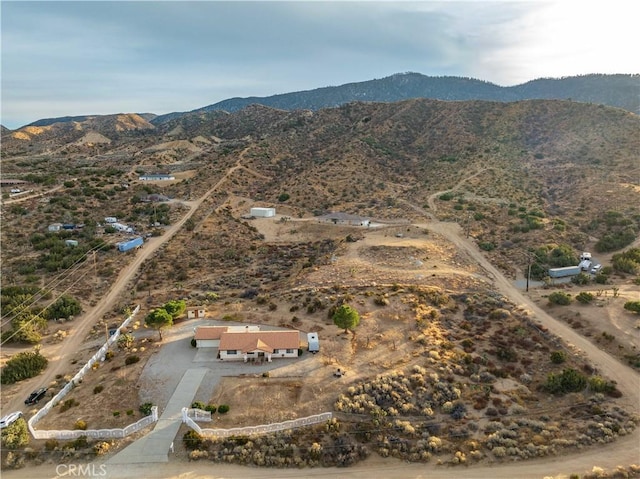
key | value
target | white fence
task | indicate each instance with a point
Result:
(198, 414)
(251, 430)
(93, 433)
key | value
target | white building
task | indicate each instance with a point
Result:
(313, 342)
(263, 212)
(195, 312)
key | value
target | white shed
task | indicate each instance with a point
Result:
(195, 312)
(55, 227)
(263, 212)
(314, 343)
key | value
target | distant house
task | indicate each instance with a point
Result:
(154, 198)
(263, 212)
(55, 227)
(338, 218)
(195, 312)
(156, 177)
(236, 343)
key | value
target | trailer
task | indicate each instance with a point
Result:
(263, 212)
(122, 228)
(564, 272)
(585, 256)
(131, 244)
(314, 343)
(111, 219)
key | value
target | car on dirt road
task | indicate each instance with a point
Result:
(35, 396)
(10, 419)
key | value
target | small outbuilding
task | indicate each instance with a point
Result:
(55, 227)
(313, 343)
(263, 212)
(70, 242)
(196, 312)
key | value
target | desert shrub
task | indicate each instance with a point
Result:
(487, 246)
(101, 448)
(598, 384)
(198, 405)
(569, 380)
(223, 408)
(78, 443)
(584, 297)
(80, 424)
(560, 298)
(211, 408)
(116, 413)
(558, 357)
(581, 279)
(15, 435)
(381, 300)
(145, 408)
(601, 278)
(109, 355)
(194, 343)
(446, 196)
(459, 410)
(192, 440)
(633, 306)
(98, 389)
(131, 359)
(24, 365)
(68, 404)
(51, 445)
(129, 412)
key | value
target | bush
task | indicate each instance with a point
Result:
(211, 408)
(81, 425)
(584, 297)
(568, 381)
(51, 445)
(145, 408)
(16, 434)
(79, 443)
(487, 246)
(192, 440)
(193, 342)
(131, 360)
(101, 448)
(223, 408)
(283, 197)
(116, 413)
(581, 279)
(98, 389)
(558, 357)
(198, 405)
(633, 306)
(109, 355)
(68, 404)
(597, 384)
(560, 298)
(24, 365)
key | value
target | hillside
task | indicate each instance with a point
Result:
(613, 90)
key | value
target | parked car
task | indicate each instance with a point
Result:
(10, 419)
(596, 268)
(35, 396)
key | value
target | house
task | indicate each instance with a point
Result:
(209, 336)
(338, 218)
(55, 227)
(156, 177)
(195, 312)
(258, 345)
(236, 343)
(313, 343)
(263, 212)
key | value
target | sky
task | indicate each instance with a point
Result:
(93, 57)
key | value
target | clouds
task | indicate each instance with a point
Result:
(70, 58)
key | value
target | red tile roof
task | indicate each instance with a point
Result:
(210, 332)
(266, 341)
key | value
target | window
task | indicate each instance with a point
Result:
(290, 351)
(232, 351)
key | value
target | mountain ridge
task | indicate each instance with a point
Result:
(617, 90)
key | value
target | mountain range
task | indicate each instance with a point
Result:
(620, 90)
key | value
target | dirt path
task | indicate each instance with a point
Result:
(61, 354)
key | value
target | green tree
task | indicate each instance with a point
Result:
(16, 434)
(559, 298)
(346, 317)
(22, 366)
(159, 319)
(633, 306)
(175, 307)
(64, 307)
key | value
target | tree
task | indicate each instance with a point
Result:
(16, 434)
(158, 319)
(346, 317)
(175, 307)
(26, 364)
(64, 307)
